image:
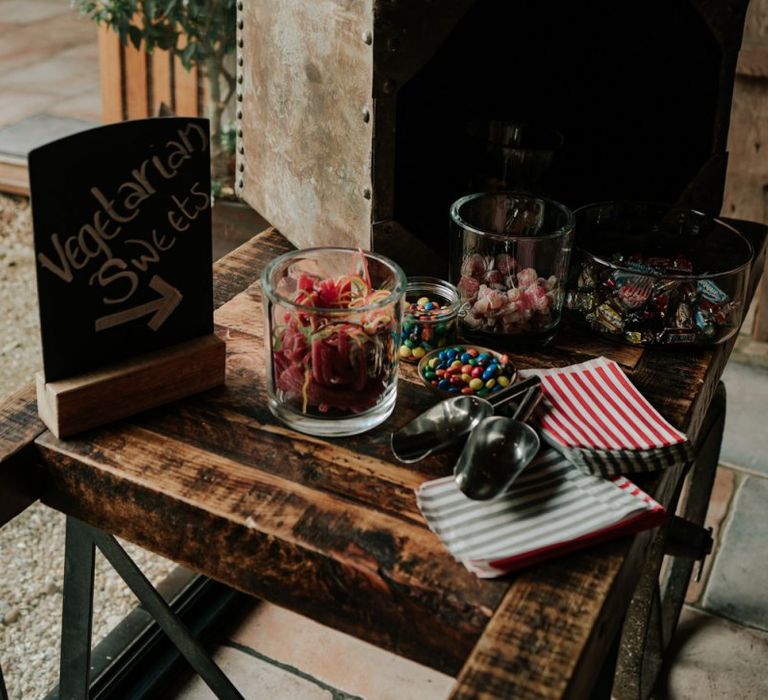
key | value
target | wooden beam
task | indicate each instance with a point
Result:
(162, 80)
(14, 177)
(111, 76)
(186, 102)
(136, 86)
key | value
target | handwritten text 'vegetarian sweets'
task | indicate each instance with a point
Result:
(95, 243)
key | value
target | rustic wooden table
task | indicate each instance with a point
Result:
(331, 529)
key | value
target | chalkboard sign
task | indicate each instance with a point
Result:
(122, 228)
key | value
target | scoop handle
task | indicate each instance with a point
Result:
(528, 403)
(514, 392)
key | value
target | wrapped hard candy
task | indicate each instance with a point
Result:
(505, 264)
(527, 277)
(468, 288)
(473, 266)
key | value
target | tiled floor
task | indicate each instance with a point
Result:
(48, 64)
(721, 645)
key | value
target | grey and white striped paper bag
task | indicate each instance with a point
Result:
(553, 508)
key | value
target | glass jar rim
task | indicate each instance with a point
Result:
(417, 283)
(566, 228)
(397, 291)
(618, 267)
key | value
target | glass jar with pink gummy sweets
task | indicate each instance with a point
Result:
(332, 328)
(509, 259)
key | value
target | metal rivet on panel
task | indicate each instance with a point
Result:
(240, 61)
(239, 114)
(240, 43)
(368, 38)
(367, 193)
(366, 114)
(239, 96)
(240, 78)
(241, 167)
(240, 24)
(241, 184)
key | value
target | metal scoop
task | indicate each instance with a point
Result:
(497, 451)
(449, 421)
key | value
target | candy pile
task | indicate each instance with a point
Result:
(427, 324)
(503, 299)
(649, 307)
(329, 360)
(468, 370)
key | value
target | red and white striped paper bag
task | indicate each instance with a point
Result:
(595, 416)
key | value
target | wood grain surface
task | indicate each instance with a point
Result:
(330, 528)
(19, 426)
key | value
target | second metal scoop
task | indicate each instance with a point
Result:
(449, 421)
(497, 451)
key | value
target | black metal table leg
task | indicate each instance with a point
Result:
(3, 691)
(655, 609)
(77, 614)
(79, 556)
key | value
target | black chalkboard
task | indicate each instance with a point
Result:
(122, 224)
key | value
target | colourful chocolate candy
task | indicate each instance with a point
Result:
(428, 323)
(468, 370)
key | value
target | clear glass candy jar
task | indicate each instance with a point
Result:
(332, 326)
(429, 317)
(650, 274)
(509, 260)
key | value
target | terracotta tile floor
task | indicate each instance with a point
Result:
(49, 67)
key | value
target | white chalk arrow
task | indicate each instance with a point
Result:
(161, 308)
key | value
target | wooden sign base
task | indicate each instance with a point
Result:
(69, 406)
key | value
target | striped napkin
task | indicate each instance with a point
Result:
(553, 508)
(597, 418)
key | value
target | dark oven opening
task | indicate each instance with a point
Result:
(632, 88)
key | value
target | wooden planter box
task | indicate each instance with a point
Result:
(135, 83)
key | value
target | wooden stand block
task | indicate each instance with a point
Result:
(70, 406)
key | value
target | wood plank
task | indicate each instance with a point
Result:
(162, 80)
(14, 177)
(760, 327)
(186, 98)
(70, 406)
(19, 426)
(237, 271)
(111, 76)
(371, 574)
(136, 83)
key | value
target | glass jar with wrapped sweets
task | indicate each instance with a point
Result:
(509, 260)
(651, 274)
(332, 330)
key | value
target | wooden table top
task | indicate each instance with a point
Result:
(331, 529)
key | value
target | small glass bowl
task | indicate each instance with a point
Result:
(650, 274)
(509, 260)
(429, 317)
(332, 322)
(440, 359)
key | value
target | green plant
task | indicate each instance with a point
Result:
(199, 32)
